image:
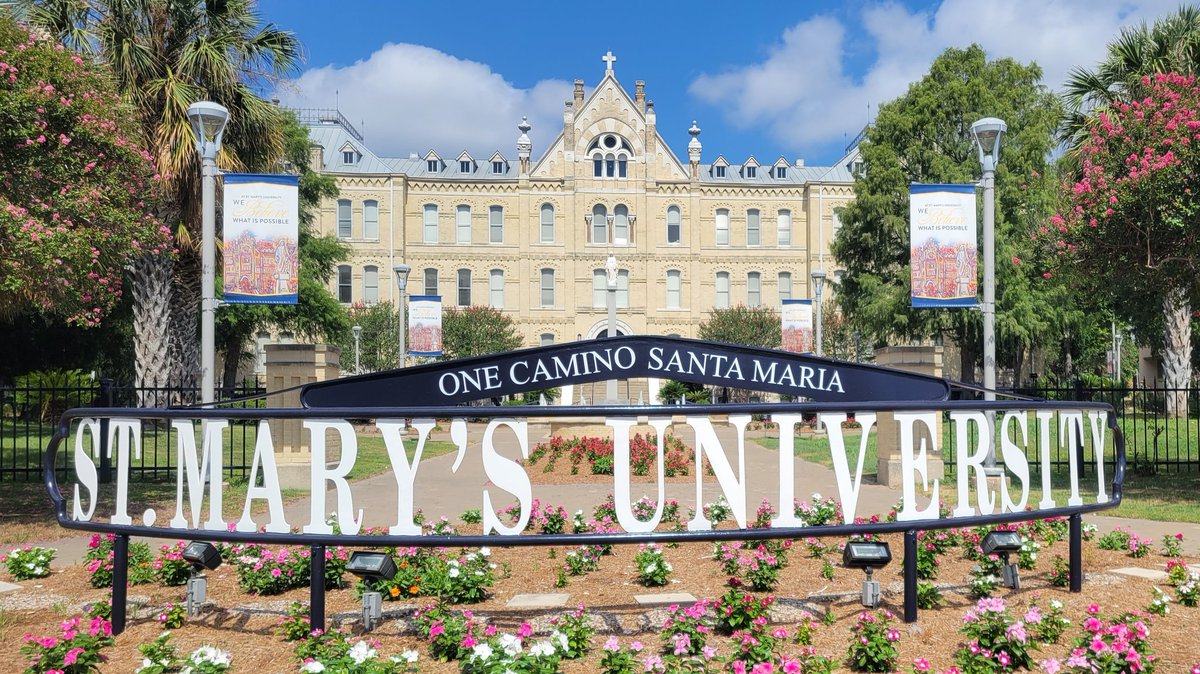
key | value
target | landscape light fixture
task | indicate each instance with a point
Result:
(1004, 543)
(202, 556)
(868, 556)
(372, 566)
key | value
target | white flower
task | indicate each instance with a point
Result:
(511, 644)
(454, 572)
(669, 567)
(482, 651)
(560, 638)
(485, 551)
(1055, 604)
(651, 567)
(410, 656)
(361, 652)
(816, 497)
(208, 654)
(541, 649)
(312, 667)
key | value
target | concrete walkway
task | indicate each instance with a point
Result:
(442, 491)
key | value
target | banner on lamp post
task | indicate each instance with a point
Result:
(261, 235)
(943, 245)
(797, 326)
(425, 325)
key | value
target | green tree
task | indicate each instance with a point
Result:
(76, 191)
(378, 342)
(924, 137)
(165, 55)
(317, 313)
(749, 326)
(477, 331)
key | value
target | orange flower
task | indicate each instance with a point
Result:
(395, 591)
(414, 589)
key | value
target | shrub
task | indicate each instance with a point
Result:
(577, 628)
(99, 561)
(172, 616)
(686, 630)
(652, 569)
(171, 567)
(738, 610)
(928, 596)
(873, 643)
(77, 649)
(262, 571)
(1172, 545)
(296, 624)
(1117, 539)
(994, 638)
(28, 562)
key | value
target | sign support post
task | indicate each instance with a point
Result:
(910, 576)
(316, 587)
(1076, 552)
(120, 582)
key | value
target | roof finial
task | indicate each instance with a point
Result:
(608, 62)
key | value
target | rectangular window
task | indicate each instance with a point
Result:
(496, 289)
(599, 288)
(721, 301)
(781, 172)
(431, 281)
(343, 219)
(785, 285)
(347, 156)
(497, 167)
(547, 223)
(751, 172)
(753, 227)
(783, 227)
(431, 223)
(464, 167)
(370, 285)
(371, 220)
(547, 338)
(464, 287)
(433, 165)
(674, 283)
(547, 287)
(623, 289)
(345, 290)
(673, 224)
(718, 171)
(722, 227)
(462, 224)
(496, 224)
(753, 289)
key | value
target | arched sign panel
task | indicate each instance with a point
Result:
(689, 360)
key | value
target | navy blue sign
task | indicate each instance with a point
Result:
(687, 360)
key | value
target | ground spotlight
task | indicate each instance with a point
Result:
(202, 556)
(868, 556)
(372, 566)
(1004, 543)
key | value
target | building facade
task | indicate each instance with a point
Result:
(529, 233)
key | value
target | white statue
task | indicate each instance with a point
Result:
(610, 270)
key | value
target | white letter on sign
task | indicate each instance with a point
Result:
(508, 475)
(320, 475)
(916, 462)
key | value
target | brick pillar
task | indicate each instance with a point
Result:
(922, 360)
(291, 365)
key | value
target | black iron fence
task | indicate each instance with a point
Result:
(29, 414)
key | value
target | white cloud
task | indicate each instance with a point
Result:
(801, 91)
(410, 98)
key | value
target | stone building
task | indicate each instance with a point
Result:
(529, 231)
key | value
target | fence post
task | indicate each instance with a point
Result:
(910, 576)
(120, 582)
(316, 588)
(106, 400)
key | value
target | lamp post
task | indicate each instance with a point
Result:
(357, 330)
(988, 133)
(818, 281)
(611, 272)
(208, 124)
(402, 271)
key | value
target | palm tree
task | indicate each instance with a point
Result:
(1170, 45)
(165, 55)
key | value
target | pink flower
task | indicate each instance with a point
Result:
(612, 644)
(921, 665)
(72, 655)
(636, 647)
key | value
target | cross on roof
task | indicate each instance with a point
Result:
(608, 61)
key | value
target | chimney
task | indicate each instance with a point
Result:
(639, 94)
(578, 94)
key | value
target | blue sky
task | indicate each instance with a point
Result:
(765, 78)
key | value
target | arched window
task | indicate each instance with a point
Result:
(599, 224)
(783, 227)
(673, 227)
(370, 284)
(371, 220)
(674, 284)
(621, 224)
(722, 226)
(753, 289)
(344, 280)
(785, 285)
(721, 301)
(344, 224)
(547, 338)
(464, 287)
(496, 288)
(547, 223)
(462, 224)
(431, 223)
(753, 227)
(610, 155)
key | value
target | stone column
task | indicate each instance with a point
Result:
(922, 360)
(290, 365)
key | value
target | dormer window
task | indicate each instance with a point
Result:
(497, 167)
(718, 171)
(464, 167)
(432, 165)
(751, 171)
(780, 172)
(348, 156)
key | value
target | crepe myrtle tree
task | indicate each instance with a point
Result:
(477, 331)
(748, 326)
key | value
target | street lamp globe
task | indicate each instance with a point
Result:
(208, 121)
(988, 132)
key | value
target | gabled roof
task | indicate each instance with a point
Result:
(751, 161)
(466, 156)
(781, 162)
(721, 161)
(498, 157)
